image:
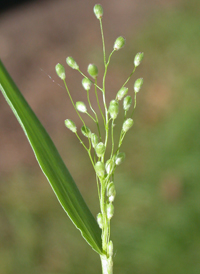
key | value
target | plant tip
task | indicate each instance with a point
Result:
(127, 124)
(100, 220)
(70, 125)
(86, 131)
(113, 109)
(98, 11)
(94, 139)
(80, 106)
(127, 103)
(100, 149)
(110, 211)
(121, 93)
(138, 58)
(60, 70)
(100, 169)
(138, 84)
(93, 70)
(120, 158)
(72, 63)
(119, 43)
(86, 83)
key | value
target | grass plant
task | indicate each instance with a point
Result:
(104, 158)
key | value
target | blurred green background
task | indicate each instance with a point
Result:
(156, 226)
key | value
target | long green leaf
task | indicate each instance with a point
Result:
(51, 163)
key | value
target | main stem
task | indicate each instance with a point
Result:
(106, 259)
(107, 265)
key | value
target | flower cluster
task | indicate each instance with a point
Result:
(98, 141)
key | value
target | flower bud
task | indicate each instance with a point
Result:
(113, 109)
(127, 124)
(110, 249)
(93, 70)
(100, 149)
(100, 169)
(86, 131)
(98, 11)
(121, 93)
(110, 211)
(100, 220)
(94, 139)
(127, 103)
(138, 58)
(86, 83)
(60, 71)
(120, 158)
(119, 43)
(72, 63)
(109, 166)
(81, 107)
(137, 85)
(70, 125)
(111, 192)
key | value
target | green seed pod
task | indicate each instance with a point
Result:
(113, 109)
(110, 211)
(94, 139)
(60, 71)
(127, 124)
(119, 43)
(86, 83)
(100, 169)
(111, 192)
(100, 149)
(70, 125)
(121, 93)
(72, 63)
(92, 70)
(110, 249)
(120, 158)
(98, 11)
(127, 103)
(109, 166)
(138, 58)
(86, 131)
(81, 107)
(100, 220)
(137, 85)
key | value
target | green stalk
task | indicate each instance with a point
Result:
(106, 261)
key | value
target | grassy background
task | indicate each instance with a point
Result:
(156, 226)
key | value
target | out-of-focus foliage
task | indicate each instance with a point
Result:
(156, 226)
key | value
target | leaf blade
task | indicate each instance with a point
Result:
(51, 163)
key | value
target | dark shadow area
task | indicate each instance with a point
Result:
(11, 4)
